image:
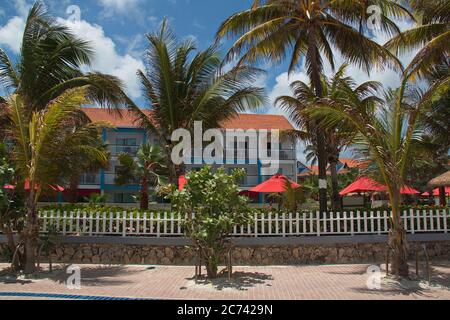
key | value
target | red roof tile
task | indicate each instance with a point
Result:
(243, 121)
(102, 115)
(258, 122)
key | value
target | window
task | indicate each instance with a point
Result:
(91, 178)
(269, 149)
(126, 141)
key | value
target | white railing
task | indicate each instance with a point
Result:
(263, 225)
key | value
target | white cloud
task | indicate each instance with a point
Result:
(11, 33)
(119, 6)
(107, 59)
(22, 7)
(282, 88)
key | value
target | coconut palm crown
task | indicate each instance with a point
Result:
(183, 85)
(50, 62)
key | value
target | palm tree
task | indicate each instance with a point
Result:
(182, 87)
(386, 135)
(50, 62)
(149, 168)
(338, 89)
(43, 144)
(77, 166)
(435, 120)
(431, 36)
(313, 30)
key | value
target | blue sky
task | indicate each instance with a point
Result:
(117, 28)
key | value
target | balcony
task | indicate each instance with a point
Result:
(90, 180)
(118, 149)
(243, 155)
(110, 179)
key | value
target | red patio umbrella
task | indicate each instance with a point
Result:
(436, 192)
(406, 190)
(27, 187)
(276, 184)
(363, 184)
(182, 182)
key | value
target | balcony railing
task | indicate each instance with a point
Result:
(241, 155)
(117, 149)
(90, 179)
(110, 179)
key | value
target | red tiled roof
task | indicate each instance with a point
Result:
(350, 163)
(243, 121)
(102, 115)
(258, 122)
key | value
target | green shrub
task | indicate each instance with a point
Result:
(218, 208)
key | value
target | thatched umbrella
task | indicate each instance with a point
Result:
(441, 182)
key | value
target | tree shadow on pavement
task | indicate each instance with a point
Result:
(101, 275)
(401, 287)
(242, 281)
(95, 275)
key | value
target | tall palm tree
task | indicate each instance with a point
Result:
(77, 166)
(50, 62)
(183, 85)
(43, 144)
(148, 167)
(338, 89)
(313, 30)
(431, 36)
(386, 135)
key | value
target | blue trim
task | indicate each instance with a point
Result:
(65, 296)
(128, 130)
(145, 140)
(260, 180)
(102, 172)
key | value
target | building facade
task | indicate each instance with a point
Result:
(125, 137)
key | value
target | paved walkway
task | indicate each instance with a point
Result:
(262, 283)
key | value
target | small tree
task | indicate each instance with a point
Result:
(213, 206)
(11, 205)
(148, 167)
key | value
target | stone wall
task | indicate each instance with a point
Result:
(255, 255)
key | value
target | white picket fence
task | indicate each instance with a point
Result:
(263, 225)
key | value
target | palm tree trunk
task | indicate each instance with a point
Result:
(397, 239)
(322, 159)
(320, 133)
(336, 203)
(31, 233)
(144, 194)
(442, 196)
(170, 165)
(431, 197)
(74, 181)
